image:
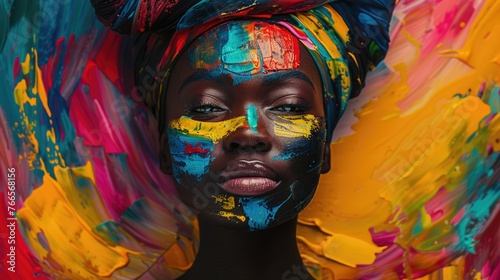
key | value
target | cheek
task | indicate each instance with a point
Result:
(192, 142)
(303, 137)
(191, 156)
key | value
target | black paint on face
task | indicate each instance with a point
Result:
(245, 147)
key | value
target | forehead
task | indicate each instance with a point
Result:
(245, 48)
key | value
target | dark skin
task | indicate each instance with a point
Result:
(228, 250)
(232, 253)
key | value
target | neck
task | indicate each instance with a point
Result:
(236, 253)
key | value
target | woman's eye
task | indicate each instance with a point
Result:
(205, 109)
(290, 108)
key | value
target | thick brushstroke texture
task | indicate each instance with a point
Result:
(303, 128)
(422, 140)
(259, 212)
(296, 126)
(424, 146)
(346, 39)
(191, 143)
(253, 118)
(243, 51)
(56, 115)
(213, 131)
(193, 162)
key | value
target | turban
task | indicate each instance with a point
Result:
(345, 38)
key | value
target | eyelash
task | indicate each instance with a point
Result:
(198, 109)
(291, 108)
(211, 108)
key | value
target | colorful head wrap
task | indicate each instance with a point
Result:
(345, 38)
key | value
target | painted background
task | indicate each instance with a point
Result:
(413, 191)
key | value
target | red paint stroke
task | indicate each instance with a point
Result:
(458, 217)
(15, 250)
(189, 149)
(384, 238)
(108, 59)
(17, 67)
(487, 256)
(438, 205)
(278, 47)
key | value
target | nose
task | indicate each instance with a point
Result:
(246, 139)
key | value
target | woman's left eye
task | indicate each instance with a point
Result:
(290, 108)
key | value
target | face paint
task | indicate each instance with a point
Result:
(301, 129)
(268, 169)
(245, 50)
(214, 131)
(260, 211)
(252, 118)
(296, 126)
(192, 141)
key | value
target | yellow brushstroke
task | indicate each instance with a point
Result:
(230, 215)
(345, 249)
(349, 250)
(226, 202)
(21, 96)
(51, 135)
(39, 87)
(65, 212)
(338, 67)
(214, 131)
(311, 23)
(296, 126)
(25, 66)
(405, 143)
(46, 212)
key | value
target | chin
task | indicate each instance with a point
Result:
(254, 213)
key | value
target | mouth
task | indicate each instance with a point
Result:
(248, 178)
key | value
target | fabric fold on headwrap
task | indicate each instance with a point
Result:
(345, 38)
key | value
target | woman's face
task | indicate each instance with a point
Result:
(245, 135)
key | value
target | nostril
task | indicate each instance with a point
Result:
(244, 140)
(234, 146)
(261, 147)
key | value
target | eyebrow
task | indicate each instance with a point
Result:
(204, 75)
(276, 78)
(283, 76)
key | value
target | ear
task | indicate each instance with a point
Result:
(325, 166)
(165, 158)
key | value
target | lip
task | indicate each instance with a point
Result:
(248, 177)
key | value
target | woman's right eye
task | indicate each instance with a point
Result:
(204, 109)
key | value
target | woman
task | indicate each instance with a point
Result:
(246, 99)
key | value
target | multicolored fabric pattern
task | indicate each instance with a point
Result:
(346, 38)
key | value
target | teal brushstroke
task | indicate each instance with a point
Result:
(232, 53)
(236, 53)
(259, 211)
(252, 118)
(50, 28)
(195, 164)
(485, 189)
(109, 230)
(417, 229)
(494, 101)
